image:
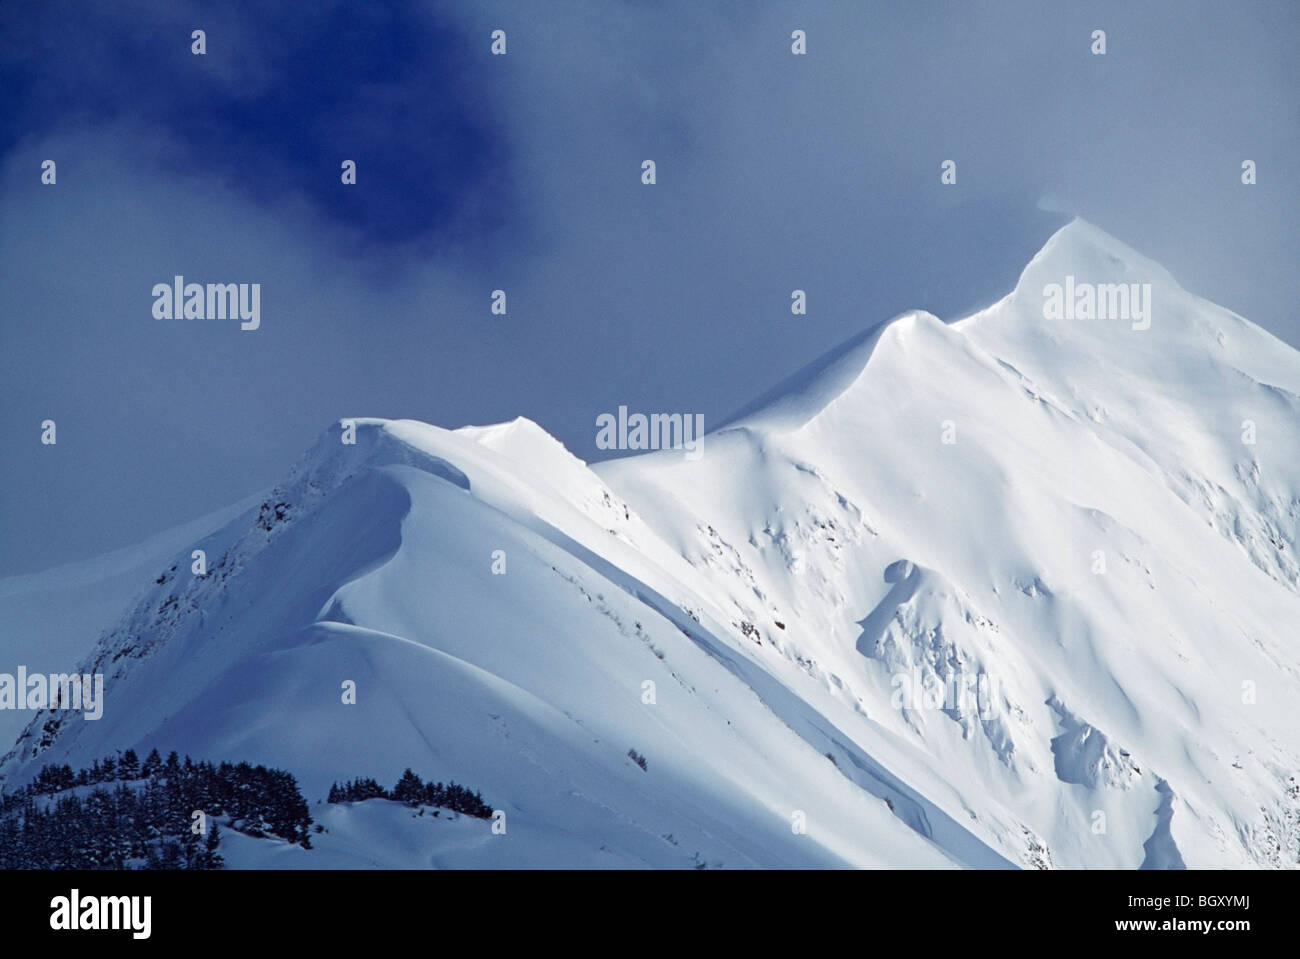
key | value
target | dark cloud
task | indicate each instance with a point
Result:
(282, 96)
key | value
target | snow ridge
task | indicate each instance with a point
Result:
(1011, 591)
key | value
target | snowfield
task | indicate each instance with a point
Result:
(1007, 592)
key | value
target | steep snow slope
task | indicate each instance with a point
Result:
(50, 620)
(373, 564)
(1055, 520)
(1094, 538)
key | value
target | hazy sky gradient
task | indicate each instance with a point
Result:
(522, 173)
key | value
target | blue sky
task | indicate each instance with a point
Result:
(522, 173)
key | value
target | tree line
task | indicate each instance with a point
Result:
(413, 791)
(145, 820)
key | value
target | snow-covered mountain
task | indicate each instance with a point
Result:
(1014, 591)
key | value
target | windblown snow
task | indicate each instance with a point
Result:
(1006, 592)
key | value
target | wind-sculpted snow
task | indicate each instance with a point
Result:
(1091, 514)
(1011, 591)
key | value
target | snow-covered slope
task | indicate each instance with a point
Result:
(50, 620)
(1094, 536)
(1056, 519)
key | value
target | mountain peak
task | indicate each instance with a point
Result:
(948, 590)
(1079, 258)
(1091, 255)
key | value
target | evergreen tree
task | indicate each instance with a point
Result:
(409, 789)
(169, 855)
(129, 767)
(150, 823)
(152, 763)
(211, 857)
